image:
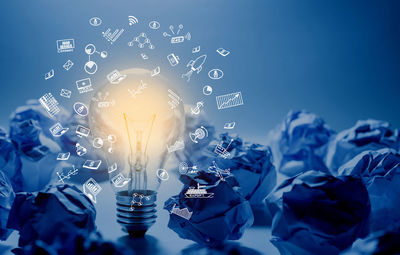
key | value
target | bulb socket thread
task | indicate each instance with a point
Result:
(136, 213)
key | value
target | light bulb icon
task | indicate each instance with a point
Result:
(145, 125)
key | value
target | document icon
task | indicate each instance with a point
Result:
(65, 93)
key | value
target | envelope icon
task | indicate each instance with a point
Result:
(65, 93)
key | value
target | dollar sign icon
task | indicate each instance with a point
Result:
(196, 110)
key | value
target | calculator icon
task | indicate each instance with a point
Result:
(50, 104)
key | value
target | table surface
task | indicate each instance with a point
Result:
(160, 239)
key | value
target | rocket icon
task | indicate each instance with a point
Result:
(195, 66)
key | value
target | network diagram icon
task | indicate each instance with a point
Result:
(137, 200)
(142, 40)
(91, 66)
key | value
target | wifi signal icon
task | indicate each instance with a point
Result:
(132, 20)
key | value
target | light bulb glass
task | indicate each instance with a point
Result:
(144, 115)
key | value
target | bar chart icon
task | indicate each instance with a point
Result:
(112, 37)
(229, 100)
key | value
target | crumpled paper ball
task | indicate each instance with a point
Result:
(317, 213)
(10, 162)
(7, 196)
(192, 151)
(377, 243)
(365, 135)
(380, 172)
(300, 143)
(61, 209)
(251, 165)
(29, 131)
(209, 221)
(78, 243)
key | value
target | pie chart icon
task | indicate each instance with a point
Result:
(207, 90)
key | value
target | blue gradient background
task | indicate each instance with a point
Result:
(339, 59)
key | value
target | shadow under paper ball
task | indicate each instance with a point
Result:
(229, 248)
(147, 245)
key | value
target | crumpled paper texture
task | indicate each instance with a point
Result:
(10, 162)
(251, 165)
(364, 135)
(317, 213)
(214, 220)
(377, 243)
(79, 243)
(29, 131)
(300, 143)
(61, 209)
(380, 171)
(7, 196)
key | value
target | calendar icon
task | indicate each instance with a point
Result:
(50, 104)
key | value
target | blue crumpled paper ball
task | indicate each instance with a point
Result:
(209, 221)
(7, 196)
(10, 162)
(192, 151)
(61, 209)
(251, 165)
(377, 243)
(365, 135)
(29, 130)
(79, 243)
(300, 143)
(380, 172)
(317, 213)
(38, 149)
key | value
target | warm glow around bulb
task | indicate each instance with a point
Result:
(139, 96)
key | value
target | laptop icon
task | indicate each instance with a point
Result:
(84, 85)
(115, 77)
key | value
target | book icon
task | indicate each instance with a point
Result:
(229, 100)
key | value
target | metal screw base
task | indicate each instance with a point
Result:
(137, 221)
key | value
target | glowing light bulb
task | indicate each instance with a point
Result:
(145, 126)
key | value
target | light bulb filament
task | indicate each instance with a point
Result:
(138, 159)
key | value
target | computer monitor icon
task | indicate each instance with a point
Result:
(82, 131)
(84, 85)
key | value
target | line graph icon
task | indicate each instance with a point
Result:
(132, 20)
(229, 100)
